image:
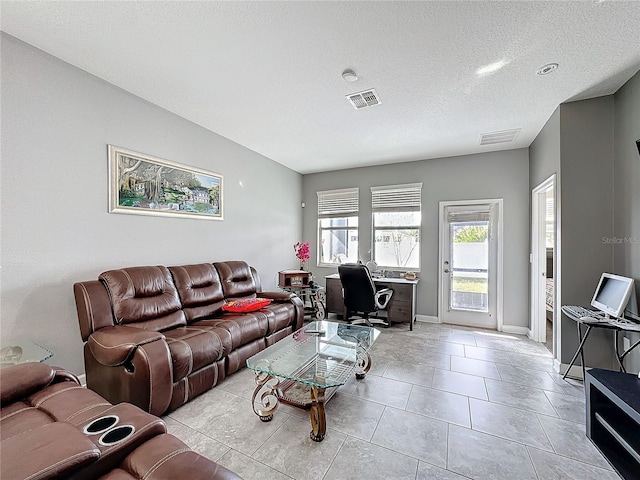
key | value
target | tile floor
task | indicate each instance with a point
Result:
(441, 402)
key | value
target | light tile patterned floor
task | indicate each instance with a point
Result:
(441, 402)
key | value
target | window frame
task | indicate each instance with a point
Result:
(400, 199)
(337, 204)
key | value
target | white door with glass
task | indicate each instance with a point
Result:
(468, 263)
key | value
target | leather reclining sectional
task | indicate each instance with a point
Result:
(52, 427)
(157, 337)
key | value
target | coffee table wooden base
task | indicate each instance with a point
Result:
(265, 401)
(317, 415)
(363, 363)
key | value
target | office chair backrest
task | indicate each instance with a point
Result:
(359, 289)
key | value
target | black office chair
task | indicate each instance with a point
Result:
(360, 294)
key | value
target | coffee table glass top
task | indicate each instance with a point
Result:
(322, 354)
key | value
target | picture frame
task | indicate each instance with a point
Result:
(141, 184)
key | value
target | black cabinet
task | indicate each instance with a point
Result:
(613, 418)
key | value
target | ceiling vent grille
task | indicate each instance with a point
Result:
(364, 99)
(505, 136)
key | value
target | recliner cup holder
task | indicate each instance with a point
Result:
(116, 435)
(100, 425)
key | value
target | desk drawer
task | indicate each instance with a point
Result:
(335, 303)
(399, 311)
(400, 292)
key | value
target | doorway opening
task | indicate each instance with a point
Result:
(544, 284)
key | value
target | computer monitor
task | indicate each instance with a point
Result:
(613, 293)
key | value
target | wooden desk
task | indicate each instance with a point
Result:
(401, 307)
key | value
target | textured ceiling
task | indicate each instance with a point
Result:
(267, 75)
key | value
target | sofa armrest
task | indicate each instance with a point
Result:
(93, 305)
(20, 381)
(62, 449)
(113, 346)
(166, 458)
(277, 296)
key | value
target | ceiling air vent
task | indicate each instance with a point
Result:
(505, 136)
(364, 99)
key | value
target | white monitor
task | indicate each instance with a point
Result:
(613, 294)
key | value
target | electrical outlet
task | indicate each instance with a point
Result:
(626, 343)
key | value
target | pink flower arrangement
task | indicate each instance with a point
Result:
(302, 251)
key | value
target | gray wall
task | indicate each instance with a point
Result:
(627, 190)
(586, 130)
(577, 145)
(56, 123)
(627, 180)
(492, 175)
(544, 152)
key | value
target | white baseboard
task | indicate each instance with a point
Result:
(561, 368)
(427, 319)
(83, 379)
(516, 330)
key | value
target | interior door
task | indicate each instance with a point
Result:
(468, 264)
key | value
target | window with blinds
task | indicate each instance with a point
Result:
(338, 226)
(396, 226)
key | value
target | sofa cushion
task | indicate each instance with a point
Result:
(279, 316)
(200, 290)
(244, 327)
(193, 348)
(62, 402)
(237, 280)
(145, 296)
(55, 451)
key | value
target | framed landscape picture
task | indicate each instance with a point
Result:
(141, 184)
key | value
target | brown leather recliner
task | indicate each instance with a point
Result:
(157, 336)
(52, 427)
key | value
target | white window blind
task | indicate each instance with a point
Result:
(480, 213)
(338, 203)
(462, 216)
(405, 198)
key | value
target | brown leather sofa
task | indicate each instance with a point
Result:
(157, 336)
(52, 427)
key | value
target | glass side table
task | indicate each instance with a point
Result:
(22, 351)
(314, 299)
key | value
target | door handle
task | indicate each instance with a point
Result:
(446, 270)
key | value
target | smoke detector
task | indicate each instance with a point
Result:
(349, 76)
(360, 100)
(504, 136)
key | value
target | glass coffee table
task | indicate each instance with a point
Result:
(307, 367)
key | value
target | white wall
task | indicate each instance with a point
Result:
(471, 177)
(56, 230)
